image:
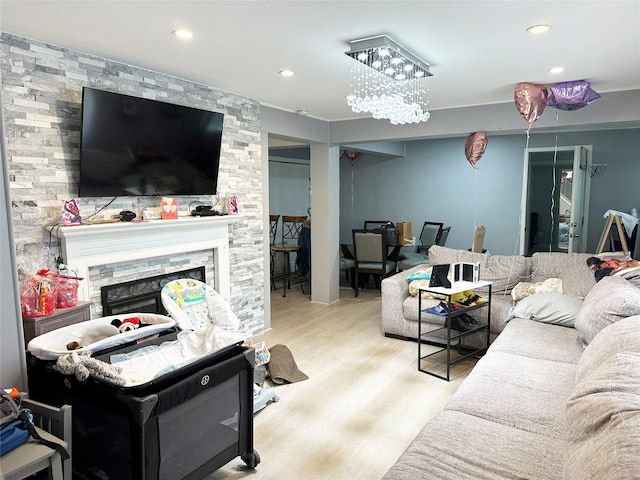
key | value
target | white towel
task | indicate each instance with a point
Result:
(628, 220)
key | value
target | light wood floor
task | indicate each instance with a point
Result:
(363, 403)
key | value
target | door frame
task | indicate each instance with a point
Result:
(525, 206)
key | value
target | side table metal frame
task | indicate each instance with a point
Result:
(445, 336)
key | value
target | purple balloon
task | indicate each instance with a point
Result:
(571, 95)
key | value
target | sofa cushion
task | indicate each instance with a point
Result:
(504, 271)
(539, 340)
(603, 414)
(548, 307)
(610, 300)
(457, 445)
(571, 268)
(526, 393)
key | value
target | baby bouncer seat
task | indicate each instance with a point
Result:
(194, 305)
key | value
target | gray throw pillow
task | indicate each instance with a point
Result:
(548, 307)
(610, 300)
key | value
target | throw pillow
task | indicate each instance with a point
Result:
(571, 268)
(504, 271)
(423, 274)
(603, 413)
(610, 300)
(548, 307)
(416, 284)
(524, 289)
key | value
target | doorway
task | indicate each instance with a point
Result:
(556, 193)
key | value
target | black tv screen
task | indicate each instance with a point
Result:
(135, 146)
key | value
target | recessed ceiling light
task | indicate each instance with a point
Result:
(183, 34)
(286, 73)
(539, 28)
(556, 70)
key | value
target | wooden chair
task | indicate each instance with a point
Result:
(291, 228)
(273, 230)
(478, 239)
(53, 424)
(370, 252)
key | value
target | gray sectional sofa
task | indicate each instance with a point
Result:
(400, 309)
(557, 395)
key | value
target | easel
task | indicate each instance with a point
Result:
(607, 231)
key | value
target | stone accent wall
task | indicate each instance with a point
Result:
(41, 97)
(114, 273)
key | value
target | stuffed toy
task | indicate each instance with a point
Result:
(83, 366)
(126, 325)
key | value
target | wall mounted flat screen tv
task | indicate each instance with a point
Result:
(135, 146)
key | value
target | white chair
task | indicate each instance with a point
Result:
(52, 424)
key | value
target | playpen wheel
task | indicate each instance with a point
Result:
(252, 459)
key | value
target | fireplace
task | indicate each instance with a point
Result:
(142, 295)
(86, 246)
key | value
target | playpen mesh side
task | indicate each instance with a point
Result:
(198, 429)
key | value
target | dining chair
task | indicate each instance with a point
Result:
(370, 252)
(273, 231)
(478, 239)
(291, 228)
(347, 262)
(375, 224)
(52, 424)
(432, 233)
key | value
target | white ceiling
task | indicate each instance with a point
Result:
(478, 50)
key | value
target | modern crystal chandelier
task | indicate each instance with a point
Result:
(388, 81)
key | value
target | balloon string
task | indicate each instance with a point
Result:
(475, 203)
(553, 189)
(523, 204)
(352, 196)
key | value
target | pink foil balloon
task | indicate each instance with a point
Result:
(475, 146)
(530, 101)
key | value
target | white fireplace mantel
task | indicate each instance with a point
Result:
(85, 246)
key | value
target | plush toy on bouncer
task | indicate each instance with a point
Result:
(126, 325)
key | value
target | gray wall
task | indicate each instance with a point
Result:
(12, 360)
(435, 182)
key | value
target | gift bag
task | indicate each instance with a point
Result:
(38, 290)
(405, 233)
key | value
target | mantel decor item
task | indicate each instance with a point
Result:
(389, 81)
(169, 208)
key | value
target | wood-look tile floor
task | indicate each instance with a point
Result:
(363, 403)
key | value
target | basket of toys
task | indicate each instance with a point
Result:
(38, 295)
(67, 295)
